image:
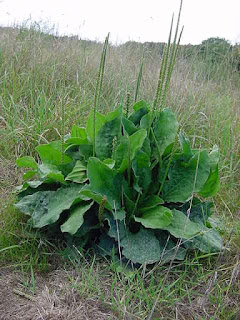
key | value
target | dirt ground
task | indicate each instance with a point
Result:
(53, 299)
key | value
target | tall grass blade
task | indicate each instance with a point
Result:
(10, 247)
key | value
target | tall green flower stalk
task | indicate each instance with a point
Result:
(166, 68)
(127, 104)
(139, 77)
(99, 88)
(163, 69)
(62, 102)
(167, 65)
(170, 70)
(62, 130)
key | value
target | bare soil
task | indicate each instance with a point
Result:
(53, 299)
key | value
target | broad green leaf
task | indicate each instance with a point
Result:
(90, 223)
(139, 105)
(129, 126)
(76, 218)
(134, 144)
(76, 141)
(71, 150)
(54, 178)
(51, 155)
(109, 162)
(32, 184)
(145, 121)
(142, 247)
(146, 147)
(50, 173)
(68, 167)
(150, 202)
(129, 191)
(28, 204)
(208, 241)
(117, 229)
(107, 246)
(86, 151)
(136, 116)
(121, 155)
(26, 162)
(142, 170)
(29, 174)
(117, 113)
(119, 214)
(212, 185)
(63, 199)
(78, 132)
(165, 128)
(129, 204)
(99, 122)
(78, 174)
(168, 249)
(183, 178)
(155, 218)
(104, 140)
(41, 209)
(182, 227)
(36, 205)
(169, 253)
(105, 181)
(78, 136)
(185, 145)
(57, 144)
(216, 223)
(87, 194)
(200, 211)
(168, 150)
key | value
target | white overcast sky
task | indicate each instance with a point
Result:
(139, 20)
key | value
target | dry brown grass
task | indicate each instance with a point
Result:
(53, 299)
(9, 178)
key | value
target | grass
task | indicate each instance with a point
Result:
(20, 246)
(133, 293)
(39, 74)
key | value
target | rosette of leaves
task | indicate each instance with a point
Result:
(140, 193)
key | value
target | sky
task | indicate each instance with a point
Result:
(127, 20)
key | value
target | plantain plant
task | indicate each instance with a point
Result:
(128, 184)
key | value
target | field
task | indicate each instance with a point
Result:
(39, 75)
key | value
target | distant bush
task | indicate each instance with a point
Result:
(215, 50)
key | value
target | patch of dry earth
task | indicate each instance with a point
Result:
(53, 299)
